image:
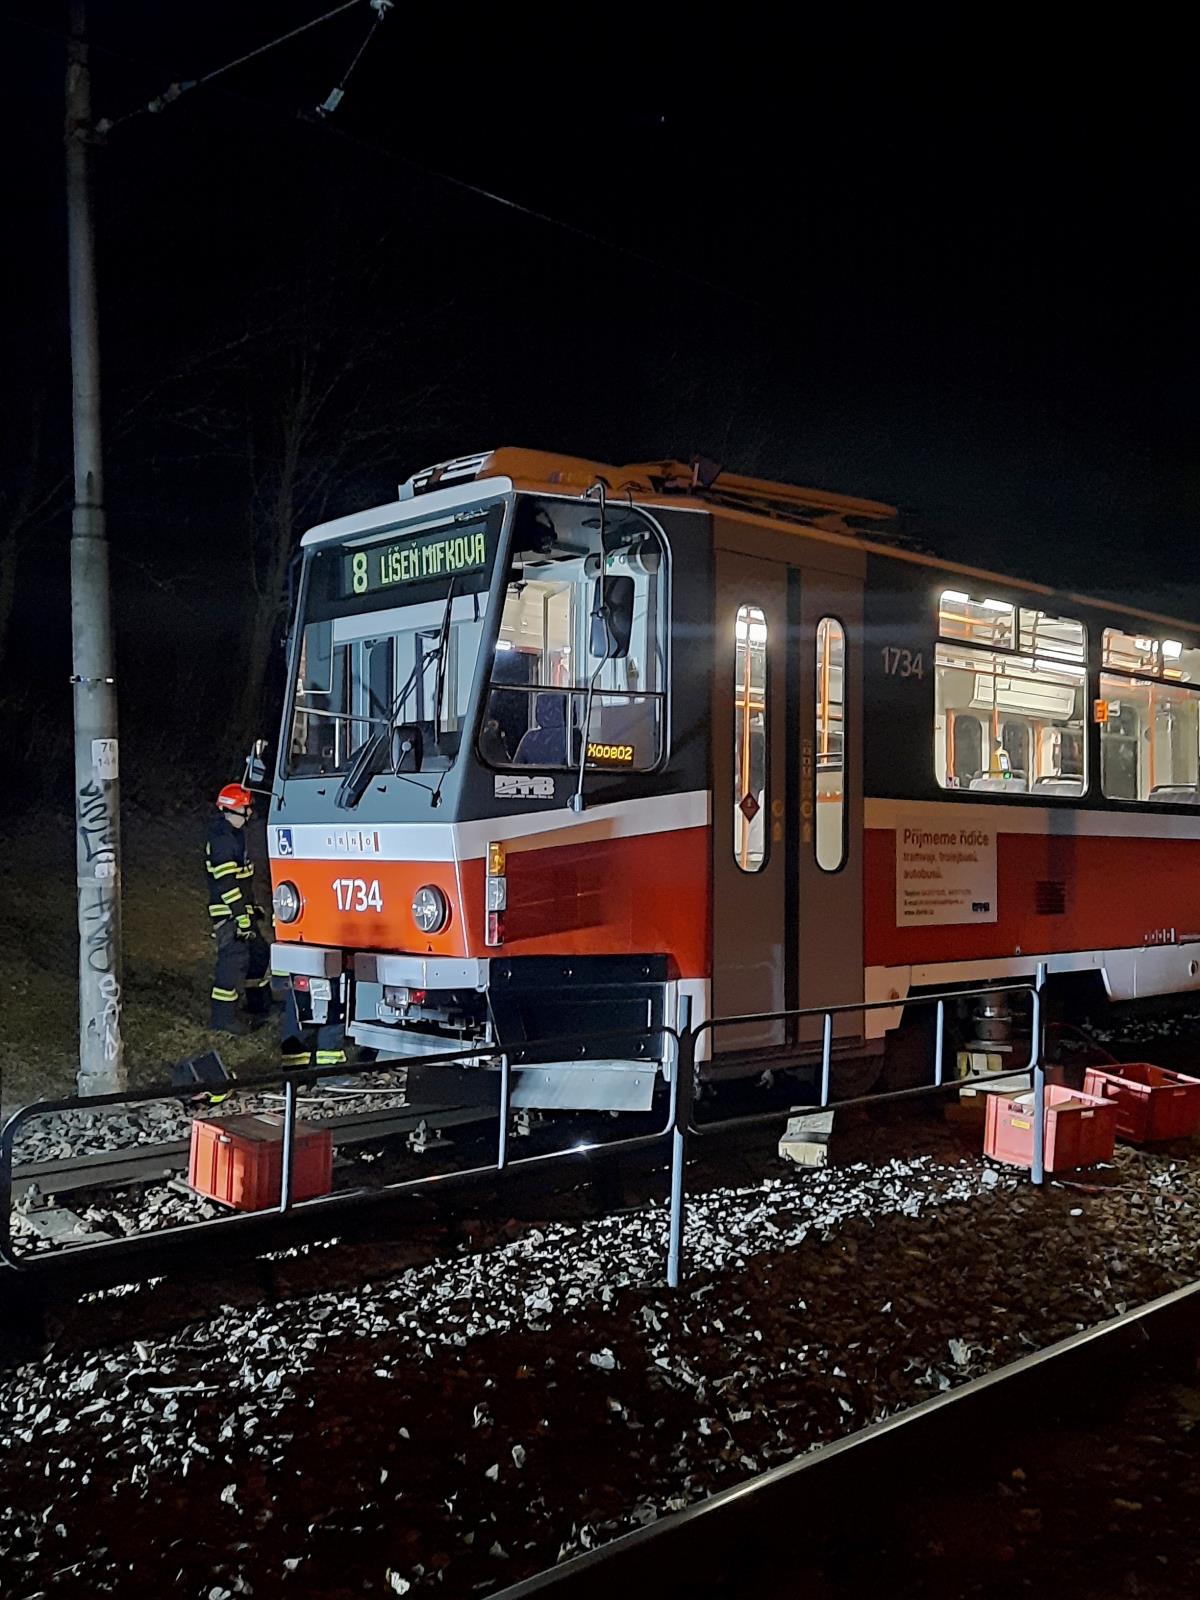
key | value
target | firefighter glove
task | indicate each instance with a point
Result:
(243, 925)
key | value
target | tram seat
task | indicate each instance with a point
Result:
(545, 744)
(1014, 783)
(1058, 783)
(1184, 794)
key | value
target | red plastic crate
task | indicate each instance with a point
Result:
(1151, 1102)
(1081, 1129)
(239, 1160)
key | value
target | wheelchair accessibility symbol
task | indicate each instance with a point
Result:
(283, 842)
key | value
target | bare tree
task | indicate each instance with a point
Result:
(308, 404)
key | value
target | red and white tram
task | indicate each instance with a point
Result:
(571, 748)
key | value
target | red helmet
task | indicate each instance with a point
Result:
(235, 797)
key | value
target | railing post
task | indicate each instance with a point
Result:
(685, 1072)
(289, 1145)
(940, 1046)
(1038, 1172)
(8, 1253)
(826, 1056)
(502, 1138)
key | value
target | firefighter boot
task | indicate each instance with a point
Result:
(223, 1012)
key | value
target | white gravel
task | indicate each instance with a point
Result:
(67, 1135)
(256, 1359)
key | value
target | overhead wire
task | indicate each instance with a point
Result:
(617, 247)
(176, 89)
(671, 269)
(336, 95)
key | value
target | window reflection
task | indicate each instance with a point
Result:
(831, 739)
(750, 739)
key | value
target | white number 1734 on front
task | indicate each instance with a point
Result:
(356, 894)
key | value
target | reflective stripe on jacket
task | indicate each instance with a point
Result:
(229, 874)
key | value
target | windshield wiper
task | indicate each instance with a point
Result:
(375, 754)
(410, 683)
(373, 758)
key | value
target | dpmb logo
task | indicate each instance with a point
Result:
(283, 842)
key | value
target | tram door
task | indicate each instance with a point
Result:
(787, 795)
(750, 794)
(827, 717)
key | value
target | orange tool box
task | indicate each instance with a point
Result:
(239, 1160)
(1081, 1129)
(1151, 1102)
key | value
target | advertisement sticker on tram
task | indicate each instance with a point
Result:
(944, 875)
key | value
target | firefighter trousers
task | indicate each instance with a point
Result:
(243, 970)
(308, 1044)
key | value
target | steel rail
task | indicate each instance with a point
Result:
(89, 1263)
(739, 1542)
(134, 1164)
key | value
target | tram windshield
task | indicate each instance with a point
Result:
(581, 644)
(391, 634)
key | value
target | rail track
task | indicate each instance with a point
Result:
(147, 1163)
(817, 1513)
(37, 1281)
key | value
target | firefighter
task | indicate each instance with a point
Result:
(243, 965)
(309, 1044)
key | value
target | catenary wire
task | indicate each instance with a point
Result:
(173, 92)
(438, 175)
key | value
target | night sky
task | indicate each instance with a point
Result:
(952, 271)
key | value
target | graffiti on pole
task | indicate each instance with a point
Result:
(98, 911)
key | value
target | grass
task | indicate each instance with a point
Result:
(168, 953)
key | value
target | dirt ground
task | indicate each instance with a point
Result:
(168, 952)
(1083, 1512)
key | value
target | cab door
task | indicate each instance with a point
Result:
(750, 769)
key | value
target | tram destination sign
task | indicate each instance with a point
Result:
(422, 559)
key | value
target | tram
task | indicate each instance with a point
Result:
(573, 749)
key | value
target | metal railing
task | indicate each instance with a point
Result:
(676, 1056)
(293, 1080)
(689, 1076)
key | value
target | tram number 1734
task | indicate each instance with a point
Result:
(356, 894)
(899, 663)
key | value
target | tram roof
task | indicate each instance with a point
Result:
(865, 525)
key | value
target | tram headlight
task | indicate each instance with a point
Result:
(430, 909)
(286, 902)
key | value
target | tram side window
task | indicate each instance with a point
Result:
(831, 745)
(1149, 713)
(750, 739)
(1011, 698)
(556, 670)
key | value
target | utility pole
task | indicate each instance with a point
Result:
(97, 807)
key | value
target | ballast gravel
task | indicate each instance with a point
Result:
(68, 1135)
(469, 1422)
